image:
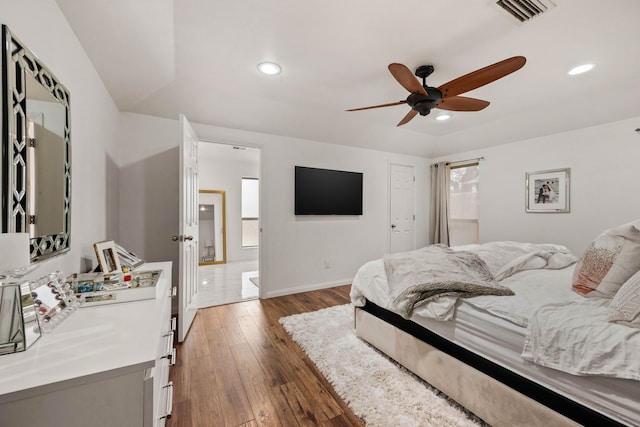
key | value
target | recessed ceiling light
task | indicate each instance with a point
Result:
(580, 69)
(442, 117)
(269, 68)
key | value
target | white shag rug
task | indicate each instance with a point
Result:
(377, 389)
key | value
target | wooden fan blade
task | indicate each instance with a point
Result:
(405, 77)
(462, 103)
(482, 76)
(410, 115)
(378, 106)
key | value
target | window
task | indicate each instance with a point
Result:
(463, 204)
(250, 212)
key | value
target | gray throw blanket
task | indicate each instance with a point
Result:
(417, 277)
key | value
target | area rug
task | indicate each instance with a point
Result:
(377, 389)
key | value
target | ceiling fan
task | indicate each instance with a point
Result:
(445, 97)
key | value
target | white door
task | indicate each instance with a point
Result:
(188, 237)
(401, 201)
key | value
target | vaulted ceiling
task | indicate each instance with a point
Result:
(199, 57)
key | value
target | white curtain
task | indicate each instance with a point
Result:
(439, 222)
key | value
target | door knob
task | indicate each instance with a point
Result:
(175, 238)
(188, 238)
(393, 226)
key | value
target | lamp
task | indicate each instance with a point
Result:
(15, 254)
(18, 315)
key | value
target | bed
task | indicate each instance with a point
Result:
(483, 350)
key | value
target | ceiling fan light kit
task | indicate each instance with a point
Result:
(269, 68)
(423, 98)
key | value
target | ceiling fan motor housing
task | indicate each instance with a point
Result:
(424, 103)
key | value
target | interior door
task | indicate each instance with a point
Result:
(401, 201)
(188, 237)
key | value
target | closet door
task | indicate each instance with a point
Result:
(401, 208)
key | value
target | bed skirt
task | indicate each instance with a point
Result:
(493, 393)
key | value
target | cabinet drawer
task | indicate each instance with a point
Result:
(162, 388)
(160, 395)
(165, 348)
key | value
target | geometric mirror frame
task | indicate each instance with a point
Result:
(32, 201)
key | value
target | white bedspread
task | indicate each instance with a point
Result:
(575, 337)
(503, 260)
(507, 258)
(565, 331)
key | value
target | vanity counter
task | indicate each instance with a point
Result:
(108, 352)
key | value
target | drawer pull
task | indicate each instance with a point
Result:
(169, 347)
(168, 389)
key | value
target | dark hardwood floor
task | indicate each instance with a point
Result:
(239, 367)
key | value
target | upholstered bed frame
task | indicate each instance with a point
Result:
(495, 394)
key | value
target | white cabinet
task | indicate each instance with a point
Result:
(103, 366)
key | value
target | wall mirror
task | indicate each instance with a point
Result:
(36, 151)
(212, 243)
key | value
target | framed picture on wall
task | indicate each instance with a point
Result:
(547, 191)
(107, 256)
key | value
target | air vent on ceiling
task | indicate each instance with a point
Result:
(523, 10)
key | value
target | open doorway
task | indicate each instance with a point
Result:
(228, 271)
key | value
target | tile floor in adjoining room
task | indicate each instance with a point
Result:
(227, 283)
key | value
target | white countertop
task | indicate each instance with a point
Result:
(92, 341)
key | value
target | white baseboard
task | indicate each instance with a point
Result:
(306, 288)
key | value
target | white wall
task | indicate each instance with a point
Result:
(222, 168)
(40, 25)
(294, 248)
(604, 184)
(300, 245)
(148, 188)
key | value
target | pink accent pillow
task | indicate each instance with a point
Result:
(611, 259)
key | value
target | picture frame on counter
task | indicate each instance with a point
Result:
(127, 258)
(107, 255)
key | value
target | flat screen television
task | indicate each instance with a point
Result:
(327, 192)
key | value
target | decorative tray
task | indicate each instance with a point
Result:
(98, 288)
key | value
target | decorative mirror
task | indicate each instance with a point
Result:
(212, 244)
(36, 151)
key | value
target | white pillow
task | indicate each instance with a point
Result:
(625, 305)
